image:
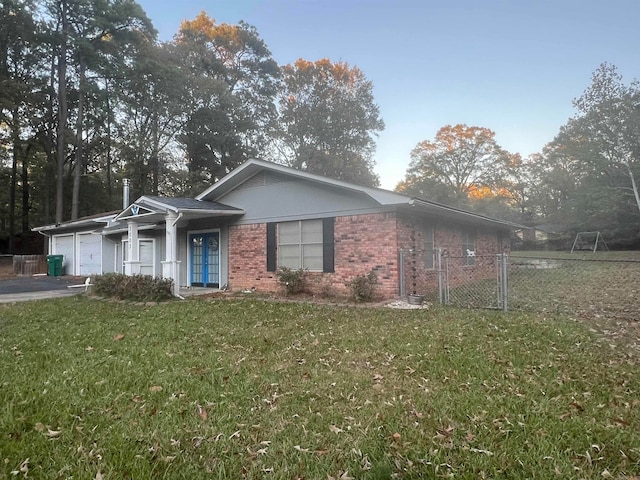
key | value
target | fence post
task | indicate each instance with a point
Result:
(401, 273)
(504, 268)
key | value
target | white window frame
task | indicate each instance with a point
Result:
(469, 246)
(301, 245)
(124, 245)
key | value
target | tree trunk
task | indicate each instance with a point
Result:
(108, 172)
(634, 185)
(62, 113)
(14, 177)
(155, 161)
(75, 199)
(49, 141)
(25, 189)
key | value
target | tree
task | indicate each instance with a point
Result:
(602, 143)
(328, 121)
(606, 130)
(89, 38)
(232, 80)
(459, 161)
(21, 57)
(151, 113)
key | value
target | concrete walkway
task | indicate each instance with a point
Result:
(27, 296)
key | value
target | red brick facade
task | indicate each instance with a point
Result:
(364, 243)
(248, 258)
(361, 243)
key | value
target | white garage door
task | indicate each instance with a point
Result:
(90, 254)
(63, 245)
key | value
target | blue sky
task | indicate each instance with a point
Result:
(513, 66)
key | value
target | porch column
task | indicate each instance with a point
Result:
(171, 265)
(132, 265)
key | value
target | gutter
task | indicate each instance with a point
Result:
(462, 213)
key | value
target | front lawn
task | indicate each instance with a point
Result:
(251, 389)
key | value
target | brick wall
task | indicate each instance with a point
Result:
(362, 243)
(248, 258)
(449, 237)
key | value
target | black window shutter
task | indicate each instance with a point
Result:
(328, 245)
(271, 247)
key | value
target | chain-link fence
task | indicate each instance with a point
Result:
(584, 286)
(579, 285)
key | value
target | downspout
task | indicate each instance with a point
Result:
(48, 241)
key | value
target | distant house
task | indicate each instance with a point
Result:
(263, 216)
(541, 234)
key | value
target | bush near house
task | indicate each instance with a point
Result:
(137, 288)
(293, 281)
(363, 287)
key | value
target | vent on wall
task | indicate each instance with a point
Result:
(263, 179)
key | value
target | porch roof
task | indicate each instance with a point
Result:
(91, 222)
(150, 209)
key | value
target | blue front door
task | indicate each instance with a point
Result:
(205, 259)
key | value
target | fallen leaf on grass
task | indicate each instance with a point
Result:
(155, 389)
(335, 429)
(23, 468)
(99, 476)
(52, 433)
(341, 476)
(39, 427)
(118, 337)
(300, 449)
(202, 413)
(478, 450)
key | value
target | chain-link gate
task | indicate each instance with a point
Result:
(474, 281)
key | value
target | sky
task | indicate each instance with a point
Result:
(513, 66)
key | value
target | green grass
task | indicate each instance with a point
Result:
(252, 389)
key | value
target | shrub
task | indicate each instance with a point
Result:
(293, 281)
(139, 288)
(363, 287)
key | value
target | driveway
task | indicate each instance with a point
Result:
(33, 288)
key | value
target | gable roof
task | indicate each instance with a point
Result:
(384, 198)
(153, 207)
